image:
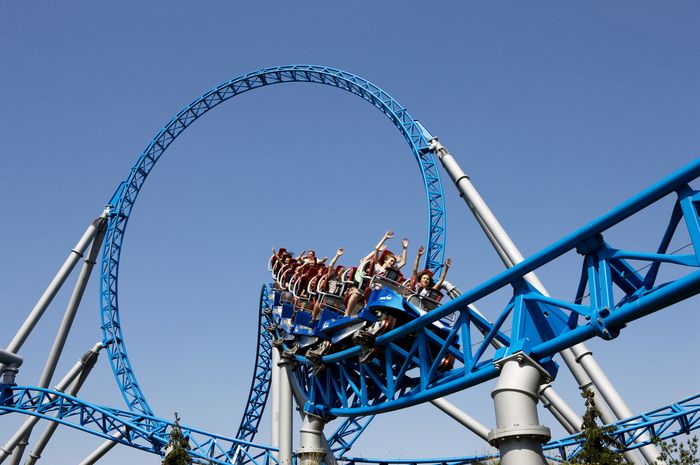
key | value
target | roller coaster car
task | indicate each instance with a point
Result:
(428, 302)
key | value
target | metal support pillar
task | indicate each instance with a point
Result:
(67, 322)
(62, 385)
(72, 308)
(510, 255)
(584, 356)
(311, 439)
(101, 450)
(275, 394)
(285, 416)
(558, 408)
(518, 434)
(90, 358)
(300, 399)
(470, 423)
(75, 254)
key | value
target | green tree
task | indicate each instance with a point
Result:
(678, 453)
(599, 445)
(176, 450)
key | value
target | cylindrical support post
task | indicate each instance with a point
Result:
(551, 401)
(285, 417)
(556, 405)
(583, 356)
(275, 394)
(101, 450)
(470, 423)
(68, 318)
(16, 456)
(8, 358)
(518, 434)
(90, 358)
(510, 255)
(311, 450)
(75, 254)
(300, 400)
(72, 308)
(29, 423)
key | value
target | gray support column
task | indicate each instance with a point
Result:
(510, 255)
(518, 434)
(101, 450)
(10, 359)
(584, 356)
(67, 322)
(311, 440)
(285, 417)
(550, 399)
(16, 456)
(62, 385)
(470, 423)
(58, 280)
(552, 402)
(275, 394)
(89, 359)
(72, 308)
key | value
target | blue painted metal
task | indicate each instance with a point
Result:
(660, 424)
(682, 417)
(150, 434)
(408, 374)
(124, 198)
(144, 432)
(347, 434)
(260, 386)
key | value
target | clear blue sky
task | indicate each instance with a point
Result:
(558, 111)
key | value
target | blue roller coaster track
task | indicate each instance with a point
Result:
(611, 294)
(541, 326)
(125, 196)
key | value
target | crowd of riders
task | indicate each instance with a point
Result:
(311, 284)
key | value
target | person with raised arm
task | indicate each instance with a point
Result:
(422, 283)
(327, 283)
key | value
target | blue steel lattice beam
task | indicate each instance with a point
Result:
(124, 198)
(147, 433)
(260, 386)
(150, 434)
(541, 326)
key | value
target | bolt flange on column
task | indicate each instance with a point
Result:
(311, 450)
(518, 434)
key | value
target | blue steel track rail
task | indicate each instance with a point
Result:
(407, 374)
(143, 432)
(150, 434)
(124, 198)
(260, 386)
(344, 437)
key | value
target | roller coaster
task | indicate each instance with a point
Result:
(428, 352)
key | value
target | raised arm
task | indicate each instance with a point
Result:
(446, 267)
(404, 252)
(419, 254)
(387, 235)
(331, 265)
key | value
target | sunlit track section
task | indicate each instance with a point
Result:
(151, 434)
(682, 417)
(347, 434)
(407, 371)
(663, 423)
(125, 197)
(260, 386)
(146, 433)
